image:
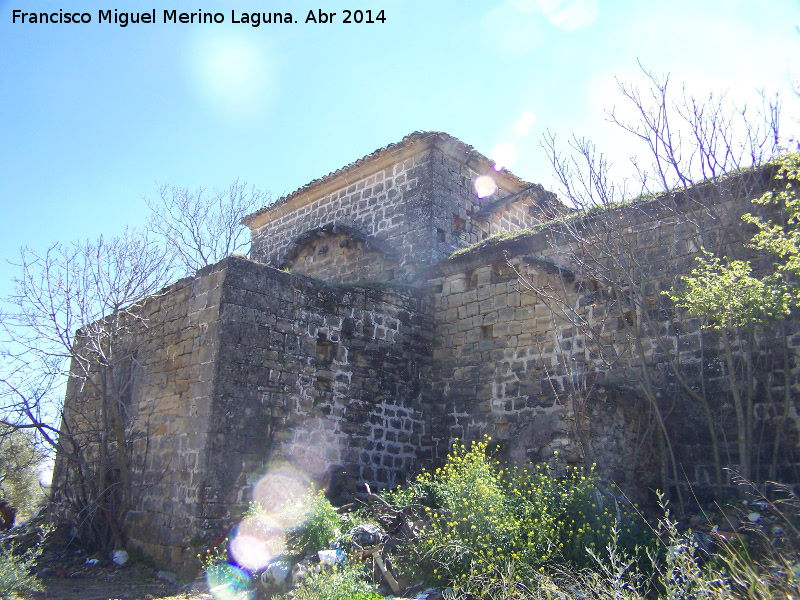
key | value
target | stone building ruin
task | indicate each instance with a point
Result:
(357, 344)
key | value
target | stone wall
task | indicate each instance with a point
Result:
(389, 205)
(508, 361)
(421, 209)
(325, 378)
(169, 414)
(341, 258)
(529, 210)
(245, 367)
(461, 218)
(173, 396)
(498, 370)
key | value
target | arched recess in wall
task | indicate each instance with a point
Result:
(340, 254)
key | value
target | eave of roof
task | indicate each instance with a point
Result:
(378, 160)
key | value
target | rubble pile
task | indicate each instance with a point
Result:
(381, 542)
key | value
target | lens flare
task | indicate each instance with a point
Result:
(281, 500)
(485, 186)
(229, 582)
(233, 73)
(523, 126)
(256, 541)
(504, 156)
(282, 494)
(317, 450)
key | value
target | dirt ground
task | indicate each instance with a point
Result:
(134, 582)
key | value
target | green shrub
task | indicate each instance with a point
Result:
(346, 582)
(485, 520)
(321, 526)
(16, 570)
(585, 517)
(482, 522)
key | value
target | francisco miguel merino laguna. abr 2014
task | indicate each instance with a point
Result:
(254, 19)
(123, 19)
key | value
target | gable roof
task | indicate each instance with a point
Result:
(380, 159)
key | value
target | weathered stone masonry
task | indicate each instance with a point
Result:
(414, 201)
(254, 365)
(498, 355)
(372, 350)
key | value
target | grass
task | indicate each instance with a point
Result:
(508, 236)
(499, 238)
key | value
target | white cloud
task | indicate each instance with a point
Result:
(514, 27)
(510, 33)
(232, 73)
(571, 14)
(566, 14)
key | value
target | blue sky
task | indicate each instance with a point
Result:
(91, 116)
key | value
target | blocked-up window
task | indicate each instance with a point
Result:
(325, 350)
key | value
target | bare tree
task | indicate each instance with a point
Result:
(624, 240)
(73, 322)
(203, 227)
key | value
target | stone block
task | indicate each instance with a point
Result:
(458, 285)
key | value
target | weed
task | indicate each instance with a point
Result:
(321, 526)
(485, 520)
(16, 569)
(346, 582)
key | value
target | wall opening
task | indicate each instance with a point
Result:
(325, 349)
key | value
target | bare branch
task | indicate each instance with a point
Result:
(70, 324)
(202, 228)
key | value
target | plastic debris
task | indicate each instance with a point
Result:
(331, 557)
(276, 573)
(366, 535)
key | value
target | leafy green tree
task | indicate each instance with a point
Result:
(726, 294)
(21, 464)
(782, 239)
(729, 296)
